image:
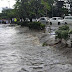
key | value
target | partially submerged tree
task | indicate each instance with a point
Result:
(63, 33)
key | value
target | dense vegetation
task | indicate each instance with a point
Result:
(34, 9)
(32, 25)
(63, 33)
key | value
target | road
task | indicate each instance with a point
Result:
(20, 51)
(55, 27)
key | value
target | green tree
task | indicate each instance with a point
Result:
(20, 8)
(32, 8)
(7, 14)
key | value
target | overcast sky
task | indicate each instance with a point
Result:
(6, 3)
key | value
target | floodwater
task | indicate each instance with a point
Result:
(21, 52)
(16, 48)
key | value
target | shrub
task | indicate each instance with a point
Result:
(18, 23)
(70, 32)
(63, 33)
(32, 25)
(65, 27)
(25, 23)
(44, 44)
(58, 34)
(36, 25)
(42, 26)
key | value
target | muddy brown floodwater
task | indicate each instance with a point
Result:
(20, 51)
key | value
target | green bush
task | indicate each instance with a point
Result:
(70, 32)
(65, 27)
(58, 34)
(32, 25)
(44, 44)
(18, 23)
(63, 33)
(36, 25)
(25, 23)
(42, 26)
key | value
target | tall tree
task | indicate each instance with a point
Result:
(7, 14)
(32, 8)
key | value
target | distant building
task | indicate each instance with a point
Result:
(66, 4)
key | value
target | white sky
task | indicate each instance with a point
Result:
(6, 3)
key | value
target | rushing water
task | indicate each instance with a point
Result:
(22, 52)
(16, 49)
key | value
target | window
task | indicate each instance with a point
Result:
(42, 19)
(60, 18)
(68, 17)
(54, 19)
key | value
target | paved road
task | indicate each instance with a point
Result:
(22, 52)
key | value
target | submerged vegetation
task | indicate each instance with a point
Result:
(44, 44)
(32, 25)
(63, 33)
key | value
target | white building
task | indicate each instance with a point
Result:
(66, 4)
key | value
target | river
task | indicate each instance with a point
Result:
(20, 51)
